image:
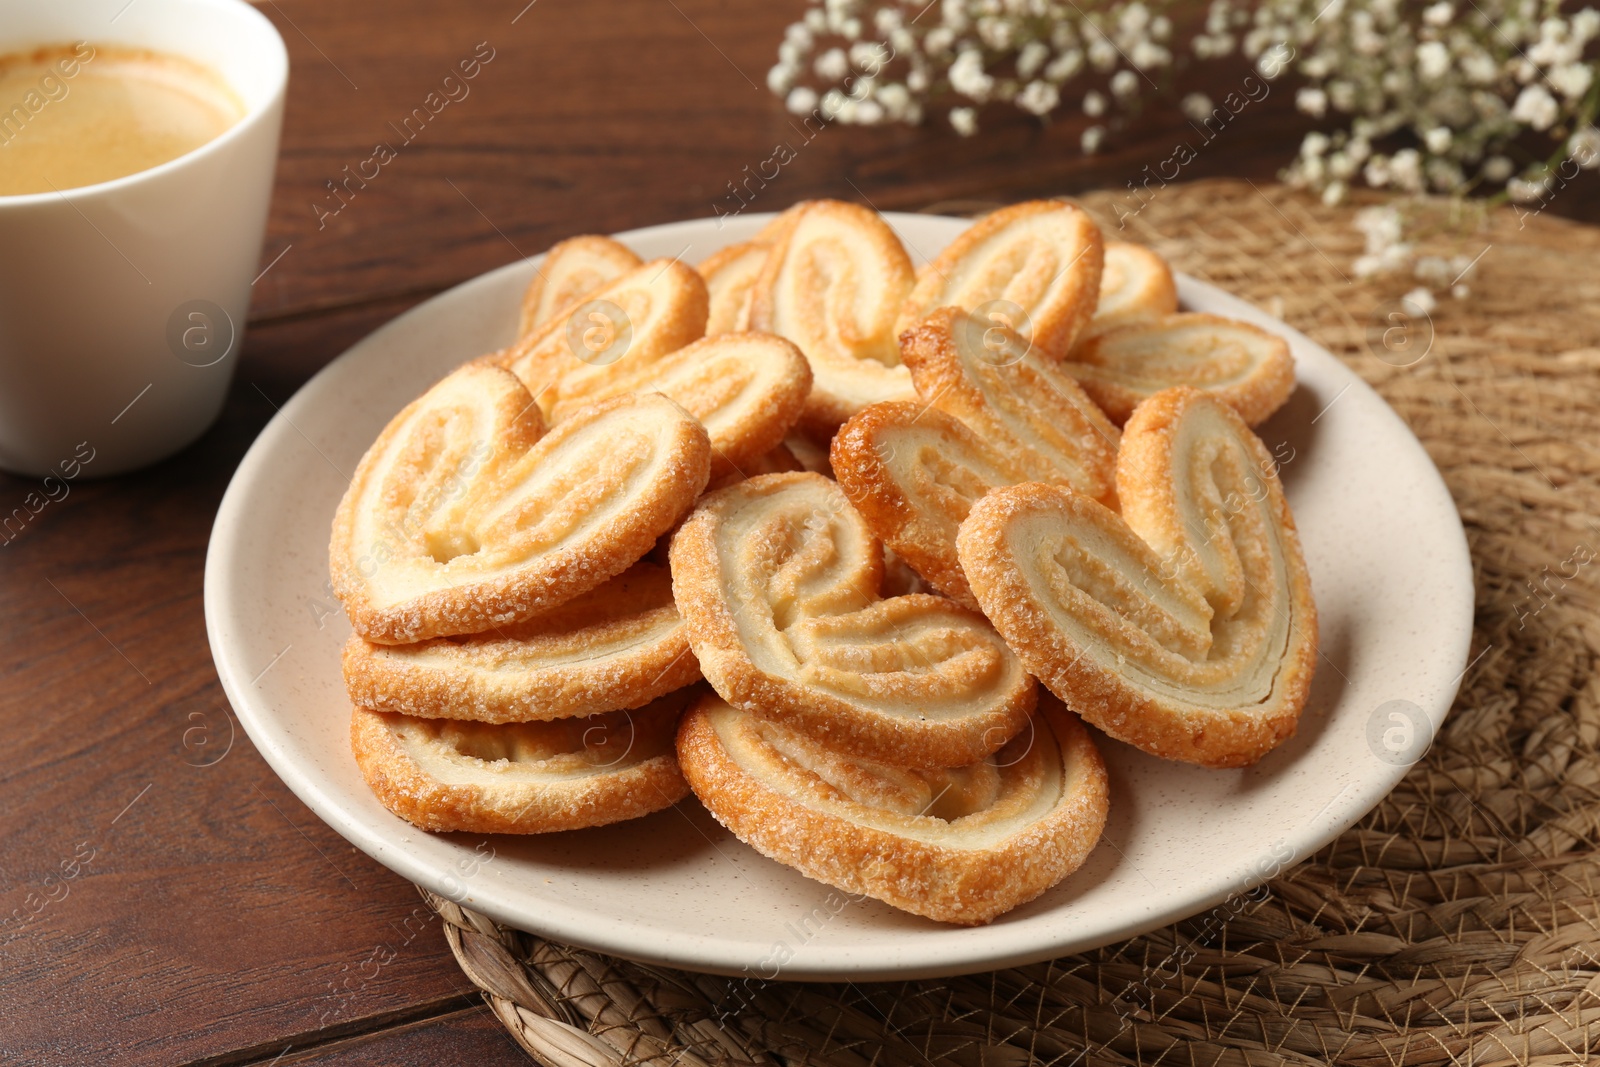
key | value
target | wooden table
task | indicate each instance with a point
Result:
(170, 900)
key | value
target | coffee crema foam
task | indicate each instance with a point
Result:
(76, 115)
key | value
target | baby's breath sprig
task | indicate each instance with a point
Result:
(1417, 96)
(872, 63)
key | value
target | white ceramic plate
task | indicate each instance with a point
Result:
(1394, 594)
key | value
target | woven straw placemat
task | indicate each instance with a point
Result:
(1457, 923)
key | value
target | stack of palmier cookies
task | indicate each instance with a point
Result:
(873, 508)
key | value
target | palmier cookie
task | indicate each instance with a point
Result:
(1039, 262)
(747, 390)
(960, 846)
(1243, 365)
(778, 580)
(1185, 626)
(996, 412)
(1135, 284)
(617, 646)
(833, 284)
(570, 272)
(655, 308)
(526, 777)
(730, 276)
(463, 516)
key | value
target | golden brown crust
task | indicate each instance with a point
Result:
(913, 473)
(662, 305)
(747, 389)
(1187, 629)
(1042, 257)
(959, 846)
(778, 580)
(1013, 395)
(461, 518)
(522, 778)
(832, 284)
(995, 412)
(620, 645)
(1136, 284)
(1243, 365)
(730, 275)
(571, 271)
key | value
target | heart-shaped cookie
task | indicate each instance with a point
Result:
(651, 310)
(778, 580)
(617, 646)
(1185, 626)
(996, 411)
(747, 390)
(1039, 260)
(1243, 365)
(464, 515)
(730, 276)
(833, 283)
(523, 777)
(1135, 284)
(570, 272)
(961, 845)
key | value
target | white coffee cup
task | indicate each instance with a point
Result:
(122, 304)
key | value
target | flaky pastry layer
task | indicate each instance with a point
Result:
(618, 646)
(1185, 626)
(462, 517)
(960, 846)
(778, 580)
(522, 778)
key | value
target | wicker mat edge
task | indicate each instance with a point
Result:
(1459, 922)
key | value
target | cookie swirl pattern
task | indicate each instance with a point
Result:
(463, 515)
(1185, 626)
(961, 846)
(779, 580)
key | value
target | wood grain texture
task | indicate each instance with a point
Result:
(216, 919)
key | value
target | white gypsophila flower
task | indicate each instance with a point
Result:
(1523, 191)
(1032, 58)
(832, 103)
(887, 20)
(1038, 98)
(1315, 143)
(1405, 170)
(1433, 60)
(1160, 28)
(1536, 107)
(1124, 83)
(800, 36)
(1333, 193)
(1421, 300)
(1148, 54)
(967, 76)
(1090, 141)
(1584, 147)
(1094, 104)
(1572, 80)
(832, 65)
(964, 120)
(801, 101)
(1497, 169)
(895, 100)
(869, 57)
(1479, 67)
(781, 78)
(869, 113)
(1460, 292)
(1103, 53)
(917, 80)
(1312, 101)
(1438, 140)
(1196, 107)
(938, 41)
(1439, 14)
(1064, 65)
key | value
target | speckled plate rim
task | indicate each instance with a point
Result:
(1358, 440)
